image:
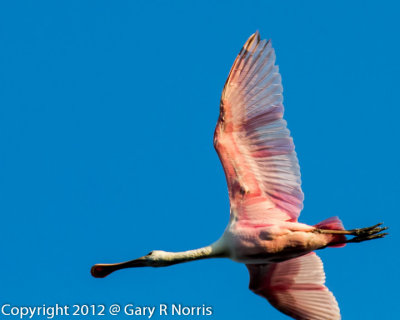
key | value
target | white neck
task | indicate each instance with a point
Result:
(216, 250)
(159, 258)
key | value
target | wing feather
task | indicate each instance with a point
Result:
(296, 288)
(252, 140)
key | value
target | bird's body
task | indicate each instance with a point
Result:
(263, 178)
(266, 243)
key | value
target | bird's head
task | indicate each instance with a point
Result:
(155, 258)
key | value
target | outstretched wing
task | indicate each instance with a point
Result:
(296, 288)
(252, 140)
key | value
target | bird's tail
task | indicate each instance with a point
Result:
(333, 223)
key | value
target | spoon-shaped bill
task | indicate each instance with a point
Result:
(102, 270)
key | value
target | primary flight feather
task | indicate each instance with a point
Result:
(263, 177)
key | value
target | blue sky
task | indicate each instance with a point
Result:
(107, 113)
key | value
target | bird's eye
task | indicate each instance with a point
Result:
(150, 253)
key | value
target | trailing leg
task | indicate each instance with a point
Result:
(361, 234)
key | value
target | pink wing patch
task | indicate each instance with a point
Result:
(296, 288)
(252, 140)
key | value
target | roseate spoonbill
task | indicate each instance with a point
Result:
(263, 178)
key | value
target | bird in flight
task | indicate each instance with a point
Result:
(263, 178)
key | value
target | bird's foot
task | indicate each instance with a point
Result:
(362, 234)
(369, 233)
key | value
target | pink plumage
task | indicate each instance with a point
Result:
(333, 223)
(263, 178)
(251, 137)
(295, 287)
